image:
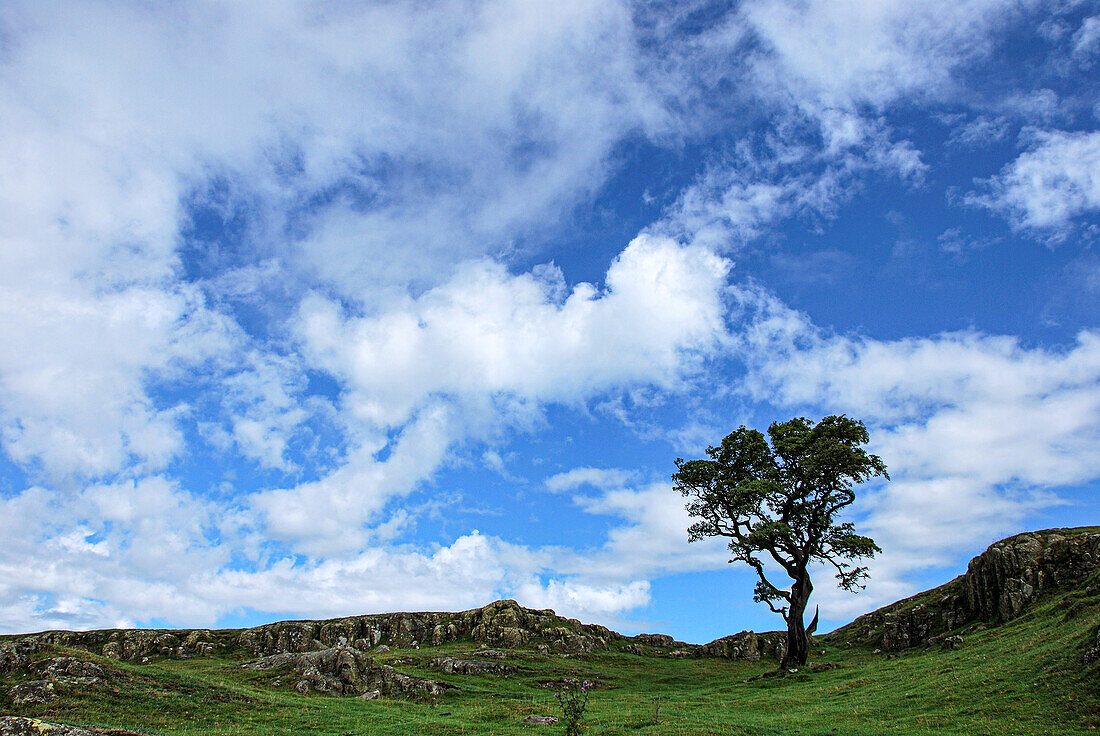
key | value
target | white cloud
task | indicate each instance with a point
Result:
(841, 55)
(979, 132)
(594, 477)
(487, 332)
(400, 141)
(1086, 41)
(1048, 186)
(483, 350)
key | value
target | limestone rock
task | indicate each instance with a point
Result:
(32, 692)
(540, 720)
(454, 666)
(18, 726)
(1092, 654)
(67, 669)
(15, 654)
(998, 585)
(345, 670)
(747, 645)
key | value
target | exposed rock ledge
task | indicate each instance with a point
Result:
(19, 726)
(345, 670)
(999, 585)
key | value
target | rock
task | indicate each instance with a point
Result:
(33, 692)
(679, 654)
(345, 670)
(655, 640)
(634, 649)
(272, 661)
(17, 726)
(998, 585)
(15, 654)
(904, 628)
(503, 624)
(822, 666)
(748, 646)
(454, 666)
(341, 670)
(1092, 654)
(490, 654)
(382, 648)
(951, 642)
(67, 669)
(540, 720)
(371, 695)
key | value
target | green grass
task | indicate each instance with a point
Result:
(1024, 677)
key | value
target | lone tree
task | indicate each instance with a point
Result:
(781, 500)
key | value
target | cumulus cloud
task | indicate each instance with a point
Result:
(486, 349)
(1048, 186)
(489, 332)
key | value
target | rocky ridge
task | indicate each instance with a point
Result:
(998, 585)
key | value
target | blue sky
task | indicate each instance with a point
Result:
(315, 309)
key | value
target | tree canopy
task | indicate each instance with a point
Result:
(777, 498)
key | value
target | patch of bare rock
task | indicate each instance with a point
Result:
(456, 666)
(348, 671)
(49, 678)
(19, 726)
(999, 585)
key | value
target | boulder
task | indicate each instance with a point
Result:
(540, 720)
(67, 669)
(1092, 653)
(32, 692)
(747, 645)
(14, 655)
(345, 670)
(18, 726)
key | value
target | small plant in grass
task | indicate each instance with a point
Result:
(658, 701)
(572, 696)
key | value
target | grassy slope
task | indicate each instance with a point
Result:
(1025, 677)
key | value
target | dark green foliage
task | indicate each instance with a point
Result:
(776, 498)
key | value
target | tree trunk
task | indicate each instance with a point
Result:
(798, 641)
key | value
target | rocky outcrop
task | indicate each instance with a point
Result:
(48, 678)
(14, 655)
(135, 644)
(503, 624)
(67, 669)
(455, 666)
(999, 585)
(33, 692)
(1003, 580)
(345, 670)
(747, 645)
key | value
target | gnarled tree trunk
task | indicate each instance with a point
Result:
(798, 641)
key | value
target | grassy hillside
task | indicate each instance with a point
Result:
(1025, 677)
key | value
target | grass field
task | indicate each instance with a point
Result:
(1025, 677)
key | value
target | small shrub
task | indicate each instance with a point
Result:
(572, 696)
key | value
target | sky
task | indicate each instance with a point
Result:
(319, 309)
